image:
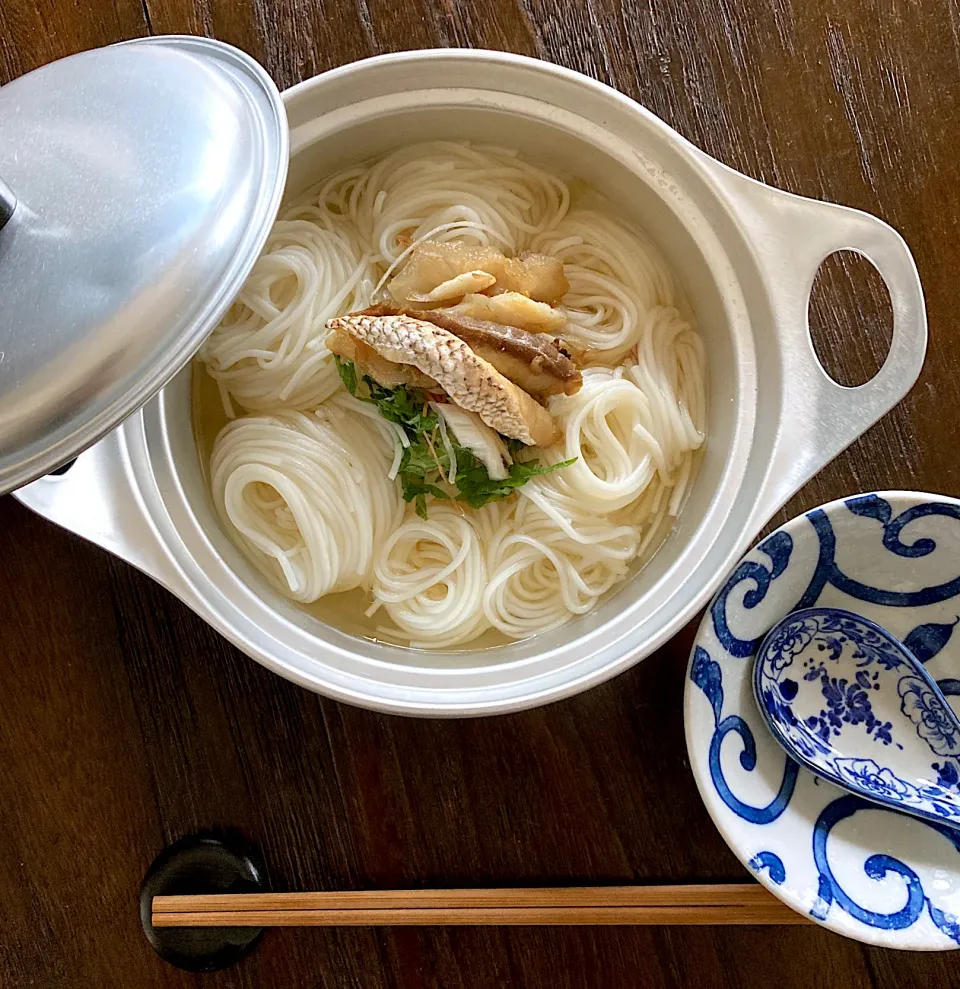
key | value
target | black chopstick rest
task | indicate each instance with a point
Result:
(208, 862)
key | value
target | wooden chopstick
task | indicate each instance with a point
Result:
(695, 904)
(486, 916)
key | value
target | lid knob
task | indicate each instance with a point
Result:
(8, 203)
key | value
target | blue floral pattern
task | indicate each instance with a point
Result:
(848, 703)
(779, 819)
(934, 724)
(811, 646)
(867, 775)
(792, 639)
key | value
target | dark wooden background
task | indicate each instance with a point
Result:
(125, 722)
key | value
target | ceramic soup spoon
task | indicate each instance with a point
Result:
(850, 702)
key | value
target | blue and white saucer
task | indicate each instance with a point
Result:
(851, 865)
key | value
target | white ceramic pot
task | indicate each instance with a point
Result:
(746, 256)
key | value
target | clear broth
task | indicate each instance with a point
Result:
(347, 610)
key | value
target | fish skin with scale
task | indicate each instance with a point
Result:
(471, 382)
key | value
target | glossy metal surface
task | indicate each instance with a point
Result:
(746, 255)
(146, 177)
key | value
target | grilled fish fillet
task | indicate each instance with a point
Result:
(533, 361)
(471, 382)
(370, 363)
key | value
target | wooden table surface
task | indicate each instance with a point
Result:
(127, 722)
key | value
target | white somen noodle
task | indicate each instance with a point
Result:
(304, 476)
(307, 496)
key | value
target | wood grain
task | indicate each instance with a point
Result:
(776, 912)
(127, 722)
(565, 897)
(692, 904)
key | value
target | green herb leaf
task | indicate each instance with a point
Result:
(477, 488)
(425, 461)
(348, 374)
(416, 490)
(407, 406)
(418, 460)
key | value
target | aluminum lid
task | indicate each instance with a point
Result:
(146, 177)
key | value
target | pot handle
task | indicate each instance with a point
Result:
(793, 236)
(94, 500)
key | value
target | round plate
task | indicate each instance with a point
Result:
(852, 866)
